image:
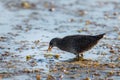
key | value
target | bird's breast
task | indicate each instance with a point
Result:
(67, 47)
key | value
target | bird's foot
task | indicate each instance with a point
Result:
(80, 58)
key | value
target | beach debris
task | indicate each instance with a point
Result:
(6, 53)
(56, 56)
(87, 78)
(118, 73)
(26, 70)
(50, 77)
(109, 74)
(37, 42)
(36, 70)
(71, 20)
(61, 77)
(48, 55)
(27, 5)
(81, 12)
(33, 63)
(28, 57)
(52, 9)
(50, 6)
(2, 38)
(111, 65)
(51, 55)
(88, 22)
(112, 51)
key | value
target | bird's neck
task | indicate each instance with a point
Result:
(60, 45)
(58, 42)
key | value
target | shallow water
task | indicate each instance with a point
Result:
(27, 29)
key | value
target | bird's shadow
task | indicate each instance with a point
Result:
(74, 60)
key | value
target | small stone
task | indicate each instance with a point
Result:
(96, 74)
(88, 22)
(28, 57)
(48, 55)
(37, 42)
(115, 13)
(111, 73)
(111, 65)
(33, 63)
(112, 51)
(52, 9)
(66, 72)
(71, 20)
(106, 16)
(32, 47)
(57, 56)
(26, 70)
(82, 12)
(79, 31)
(50, 77)
(118, 65)
(26, 5)
(61, 77)
(118, 73)
(36, 70)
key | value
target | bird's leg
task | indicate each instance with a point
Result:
(77, 57)
(81, 55)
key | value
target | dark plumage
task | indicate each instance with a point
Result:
(76, 44)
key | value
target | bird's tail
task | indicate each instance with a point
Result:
(100, 36)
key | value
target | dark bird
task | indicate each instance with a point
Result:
(75, 44)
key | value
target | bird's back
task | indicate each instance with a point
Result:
(79, 43)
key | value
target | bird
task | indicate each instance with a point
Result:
(76, 44)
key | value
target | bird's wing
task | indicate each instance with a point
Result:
(80, 43)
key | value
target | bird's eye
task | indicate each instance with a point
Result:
(51, 43)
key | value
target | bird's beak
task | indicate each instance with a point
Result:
(49, 48)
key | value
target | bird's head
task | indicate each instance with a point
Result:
(53, 43)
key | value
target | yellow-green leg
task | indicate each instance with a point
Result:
(79, 57)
